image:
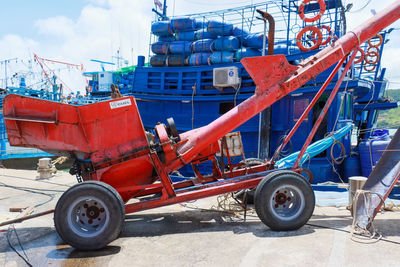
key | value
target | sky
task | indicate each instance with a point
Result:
(77, 31)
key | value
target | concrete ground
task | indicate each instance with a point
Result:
(190, 235)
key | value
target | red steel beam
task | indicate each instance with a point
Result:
(276, 78)
(324, 110)
(307, 111)
(194, 194)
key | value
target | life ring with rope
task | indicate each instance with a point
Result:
(328, 39)
(361, 58)
(316, 32)
(373, 54)
(322, 8)
(378, 44)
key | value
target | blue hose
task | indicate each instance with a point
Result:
(313, 149)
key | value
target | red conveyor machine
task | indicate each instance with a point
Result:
(124, 169)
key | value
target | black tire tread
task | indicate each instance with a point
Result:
(263, 212)
(100, 241)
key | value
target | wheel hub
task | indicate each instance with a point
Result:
(287, 202)
(280, 198)
(88, 216)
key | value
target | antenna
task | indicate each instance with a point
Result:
(102, 63)
(5, 67)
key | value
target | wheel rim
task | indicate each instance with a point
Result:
(287, 202)
(88, 216)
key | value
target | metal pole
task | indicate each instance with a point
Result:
(5, 72)
(324, 110)
(260, 117)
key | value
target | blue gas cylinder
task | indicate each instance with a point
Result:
(160, 48)
(169, 38)
(197, 59)
(240, 33)
(176, 60)
(185, 36)
(201, 24)
(254, 41)
(226, 43)
(161, 28)
(204, 34)
(180, 47)
(219, 28)
(203, 45)
(158, 61)
(183, 24)
(222, 57)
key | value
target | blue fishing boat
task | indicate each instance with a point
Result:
(193, 74)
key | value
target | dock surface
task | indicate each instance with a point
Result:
(189, 235)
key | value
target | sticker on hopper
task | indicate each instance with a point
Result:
(120, 103)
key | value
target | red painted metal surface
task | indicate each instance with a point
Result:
(324, 111)
(307, 111)
(111, 133)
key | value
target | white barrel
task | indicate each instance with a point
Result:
(44, 162)
(356, 183)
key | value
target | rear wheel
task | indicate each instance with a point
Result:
(89, 215)
(284, 200)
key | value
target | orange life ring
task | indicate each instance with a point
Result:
(315, 32)
(378, 44)
(322, 8)
(373, 47)
(369, 70)
(328, 39)
(372, 54)
(361, 58)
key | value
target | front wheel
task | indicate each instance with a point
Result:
(89, 215)
(284, 201)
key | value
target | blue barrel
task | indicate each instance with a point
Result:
(240, 33)
(352, 167)
(180, 47)
(183, 24)
(158, 61)
(255, 41)
(161, 28)
(246, 52)
(169, 38)
(176, 60)
(140, 63)
(201, 24)
(219, 28)
(203, 45)
(197, 59)
(204, 34)
(160, 48)
(222, 57)
(185, 36)
(370, 153)
(226, 43)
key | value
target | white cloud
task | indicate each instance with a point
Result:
(105, 26)
(60, 26)
(102, 28)
(15, 46)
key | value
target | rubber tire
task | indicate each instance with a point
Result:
(109, 196)
(267, 187)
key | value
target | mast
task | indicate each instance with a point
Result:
(163, 15)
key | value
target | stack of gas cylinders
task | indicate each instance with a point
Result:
(185, 41)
